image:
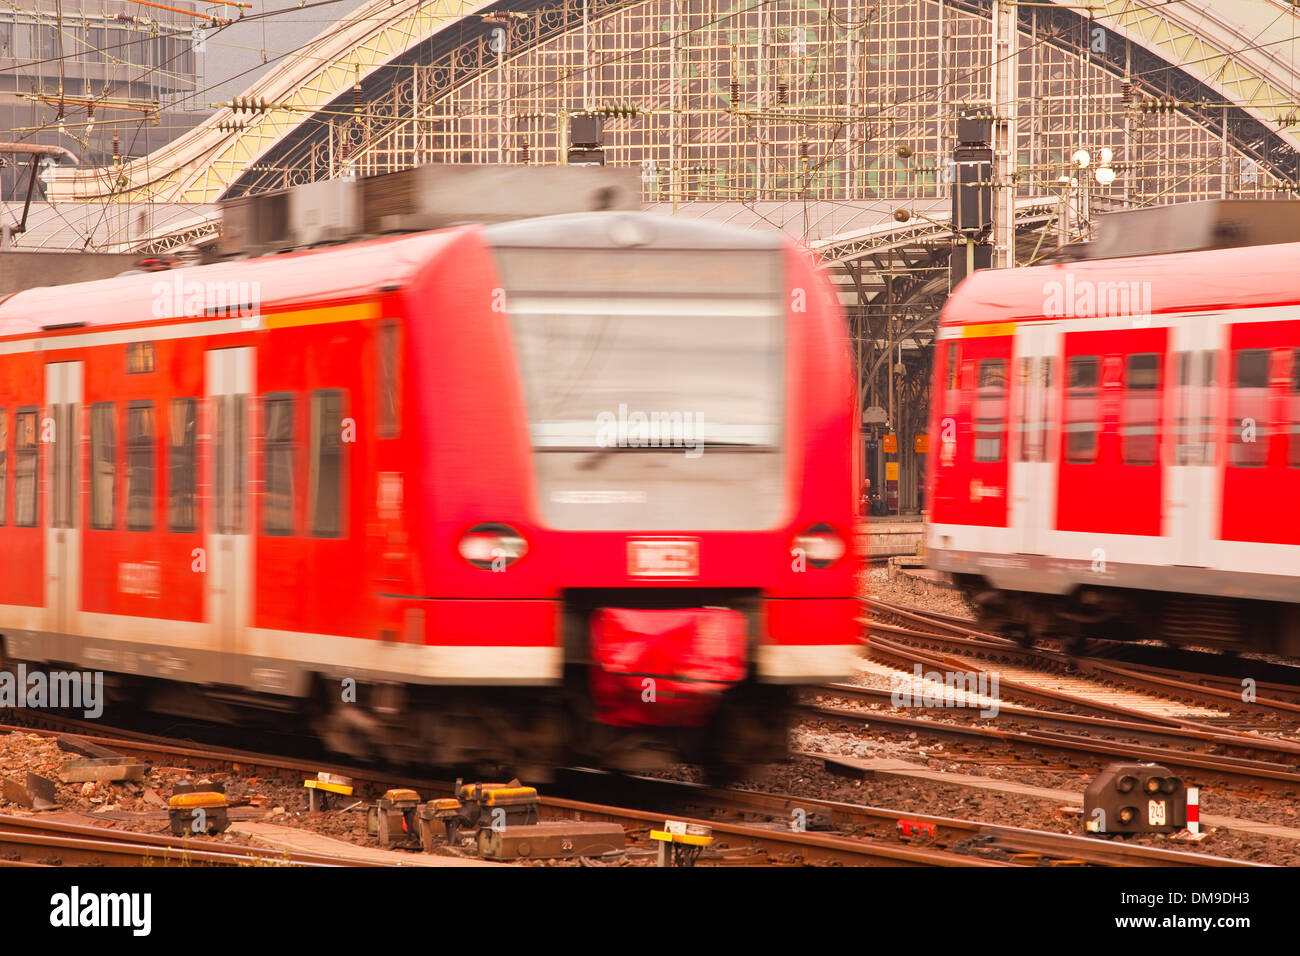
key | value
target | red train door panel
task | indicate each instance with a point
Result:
(1111, 464)
(1261, 480)
(971, 474)
(59, 433)
(229, 577)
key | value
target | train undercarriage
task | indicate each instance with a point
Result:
(1126, 614)
(520, 731)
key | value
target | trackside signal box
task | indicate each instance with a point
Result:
(1135, 798)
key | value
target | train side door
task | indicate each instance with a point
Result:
(59, 433)
(1035, 374)
(229, 578)
(1194, 490)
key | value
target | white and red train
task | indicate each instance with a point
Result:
(1116, 447)
(573, 488)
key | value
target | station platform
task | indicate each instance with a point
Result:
(880, 538)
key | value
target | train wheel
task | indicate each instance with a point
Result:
(1076, 645)
(1019, 633)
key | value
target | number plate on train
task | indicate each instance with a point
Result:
(663, 557)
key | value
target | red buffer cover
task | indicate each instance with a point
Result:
(664, 667)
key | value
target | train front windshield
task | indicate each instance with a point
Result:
(655, 397)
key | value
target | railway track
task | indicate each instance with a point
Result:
(42, 841)
(1016, 845)
(1257, 774)
(866, 836)
(744, 843)
(1278, 710)
(1085, 722)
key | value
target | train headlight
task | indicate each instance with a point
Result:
(492, 546)
(820, 545)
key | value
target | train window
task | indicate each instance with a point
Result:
(277, 462)
(1036, 407)
(1209, 399)
(1139, 432)
(389, 390)
(1186, 445)
(139, 466)
(229, 462)
(182, 463)
(990, 409)
(952, 366)
(103, 466)
(139, 357)
(26, 468)
(326, 488)
(1248, 415)
(1081, 409)
(1293, 458)
(4, 464)
(62, 498)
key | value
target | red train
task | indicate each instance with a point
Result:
(1118, 446)
(568, 489)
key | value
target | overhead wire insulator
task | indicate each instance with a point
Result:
(117, 150)
(1158, 104)
(782, 92)
(523, 152)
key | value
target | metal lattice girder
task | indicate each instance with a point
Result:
(763, 108)
(199, 166)
(1241, 49)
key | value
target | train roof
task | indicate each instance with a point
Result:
(1203, 281)
(330, 272)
